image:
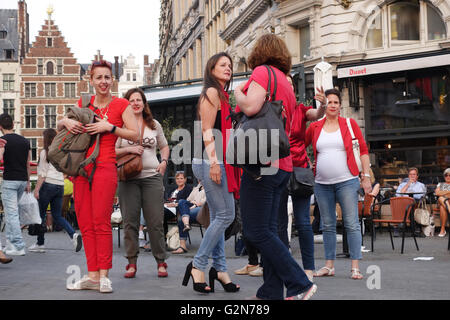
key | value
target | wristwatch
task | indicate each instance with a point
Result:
(167, 162)
(366, 175)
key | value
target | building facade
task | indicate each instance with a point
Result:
(14, 39)
(49, 84)
(131, 76)
(390, 59)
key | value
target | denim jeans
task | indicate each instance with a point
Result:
(346, 194)
(11, 193)
(221, 211)
(185, 211)
(260, 201)
(52, 194)
(302, 223)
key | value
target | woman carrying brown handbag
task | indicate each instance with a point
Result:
(144, 191)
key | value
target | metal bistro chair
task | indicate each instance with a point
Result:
(365, 211)
(402, 209)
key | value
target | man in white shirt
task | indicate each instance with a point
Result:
(412, 185)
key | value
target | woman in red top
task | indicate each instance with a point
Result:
(260, 199)
(300, 204)
(93, 203)
(336, 180)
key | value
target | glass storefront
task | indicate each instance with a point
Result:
(408, 123)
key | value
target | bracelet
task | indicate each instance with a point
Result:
(366, 175)
(113, 129)
(167, 162)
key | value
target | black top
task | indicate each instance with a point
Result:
(15, 157)
(183, 193)
(217, 126)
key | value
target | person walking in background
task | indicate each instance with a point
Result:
(253, 267)
(16, 155)
(336, 180)
(3, 258)
(220, 180)
(301, 205)
(145, 191)
(260, 199)
(189, 210)
(50, 190)
(443, 193)
(94, 201)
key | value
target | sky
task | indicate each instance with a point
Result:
(115, 27)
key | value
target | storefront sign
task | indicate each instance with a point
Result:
(393, 66)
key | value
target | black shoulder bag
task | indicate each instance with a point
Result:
(301, 183)
(259, 139)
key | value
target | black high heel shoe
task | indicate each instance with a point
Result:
(228, 287)
(198, 286)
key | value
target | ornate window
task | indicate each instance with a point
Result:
(50, 117)
(40, 66)
(33, 148)
(8, 82)
(50, 90)
(405, 22)
(8, 107)
(30, 117)
(59, 66)
(30, 90)
(70, 90)
(50, 67)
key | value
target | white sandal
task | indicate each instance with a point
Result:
(356, 274)
(329, 273)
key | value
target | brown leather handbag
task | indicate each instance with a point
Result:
(130, 164)
(203, 216)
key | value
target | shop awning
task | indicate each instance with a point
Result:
(394, 66)
(180, 92)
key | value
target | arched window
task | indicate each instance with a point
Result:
(435, 24)
(405, 22)
(50, 70)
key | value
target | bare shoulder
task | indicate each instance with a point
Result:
(213, 96)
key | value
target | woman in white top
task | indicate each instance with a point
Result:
(146, 190)
(50, 190)
(336, 180)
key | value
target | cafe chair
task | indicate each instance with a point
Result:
(365, 209)
(402, 209)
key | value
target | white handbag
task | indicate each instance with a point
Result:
(116, 216)
(355, 146)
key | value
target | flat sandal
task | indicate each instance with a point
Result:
(356, 274)
(329, 273)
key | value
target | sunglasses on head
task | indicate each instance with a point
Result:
(101, 63)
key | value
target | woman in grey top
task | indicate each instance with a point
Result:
(146, 190)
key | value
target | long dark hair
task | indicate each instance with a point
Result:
(146, 112)
(49, 135)
(209, 81)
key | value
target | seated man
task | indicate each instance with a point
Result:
(412, 185)
(180, 192)
(188, 210)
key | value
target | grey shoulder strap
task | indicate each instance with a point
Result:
(85, 100)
